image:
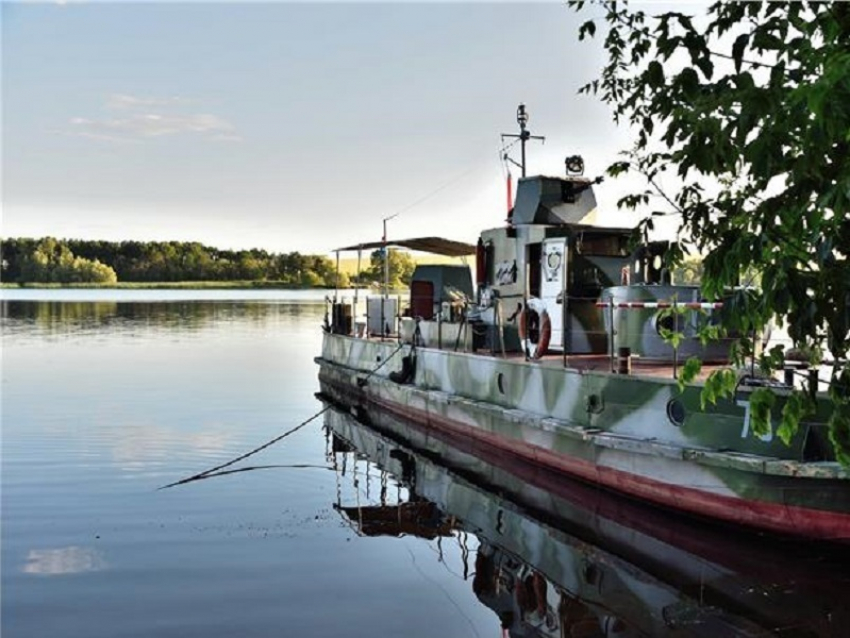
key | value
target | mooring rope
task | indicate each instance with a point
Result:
(212, 470)
(218, 468)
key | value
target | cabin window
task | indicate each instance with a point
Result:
(602, 245)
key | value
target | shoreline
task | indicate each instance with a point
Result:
(166, 285)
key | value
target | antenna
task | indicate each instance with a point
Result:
(523, 137)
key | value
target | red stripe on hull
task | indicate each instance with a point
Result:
(786, 519)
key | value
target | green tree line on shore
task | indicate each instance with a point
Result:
(50, 260)
(74, 261)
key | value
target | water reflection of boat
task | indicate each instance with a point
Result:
(561, 558)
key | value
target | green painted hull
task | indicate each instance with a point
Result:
(635, 435)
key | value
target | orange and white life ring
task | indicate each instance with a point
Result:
(535, 328)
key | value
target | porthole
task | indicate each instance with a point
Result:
(676, 412)
(594, 403)
(669, 322)
(591, 573)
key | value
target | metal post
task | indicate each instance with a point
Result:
(357, 287)
(501, 326)
(564, 301)
(386, 279)
(336, 283)
(386, 274)
(675, 348)
(788, 376)
(386, 261)
(523, 138)
(523, 316)
(675, 362)
(611, 332)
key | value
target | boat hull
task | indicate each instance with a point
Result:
(631, 448)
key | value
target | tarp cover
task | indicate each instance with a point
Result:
(435, 245)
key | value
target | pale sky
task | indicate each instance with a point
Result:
(286, 126)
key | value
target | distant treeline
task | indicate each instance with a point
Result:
(64, 261)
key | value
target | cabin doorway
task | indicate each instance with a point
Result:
(534, 252)
(553, 279)
(422, 299)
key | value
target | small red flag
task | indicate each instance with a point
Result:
(510, 194)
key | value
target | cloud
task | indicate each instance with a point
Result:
(64, 560)
(144, 118)
(123, 101)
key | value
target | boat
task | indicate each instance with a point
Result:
(551, 556)
(559, 355)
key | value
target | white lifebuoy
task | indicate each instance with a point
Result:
(534, 349)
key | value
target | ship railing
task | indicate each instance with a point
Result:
(621, 357)
(342, 317)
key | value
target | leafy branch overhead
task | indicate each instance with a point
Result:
(742, 125)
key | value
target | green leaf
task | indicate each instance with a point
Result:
(689, 372)
(796, 407)
(588, 29)
(762, 401)
(655, 74)
(704, 64)
(738, 50)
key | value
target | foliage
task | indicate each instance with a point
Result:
(50, 260)
(742, 118)
(53, 262)
(689, 271)
(401, 267)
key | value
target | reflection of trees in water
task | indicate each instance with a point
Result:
(54, 317)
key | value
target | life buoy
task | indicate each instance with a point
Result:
(535, 328)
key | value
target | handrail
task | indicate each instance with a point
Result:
(637, 305)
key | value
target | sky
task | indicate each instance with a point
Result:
(286, 126)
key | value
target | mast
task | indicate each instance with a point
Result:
(523, 137)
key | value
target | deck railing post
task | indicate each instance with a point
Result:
(357, 285)
(675, 346)
(611, 333)
(440, 329)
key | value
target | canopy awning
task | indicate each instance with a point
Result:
(435, 245)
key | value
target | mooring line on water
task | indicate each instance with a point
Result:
(206, 473)
(252, 468)
(216, 471)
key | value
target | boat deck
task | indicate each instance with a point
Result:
(587, 362)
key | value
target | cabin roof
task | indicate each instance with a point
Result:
(435, 245)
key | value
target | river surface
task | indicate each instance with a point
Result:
(109, 395)
(105, 401)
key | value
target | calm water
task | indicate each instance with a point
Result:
(107, 396)
(105, 401)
